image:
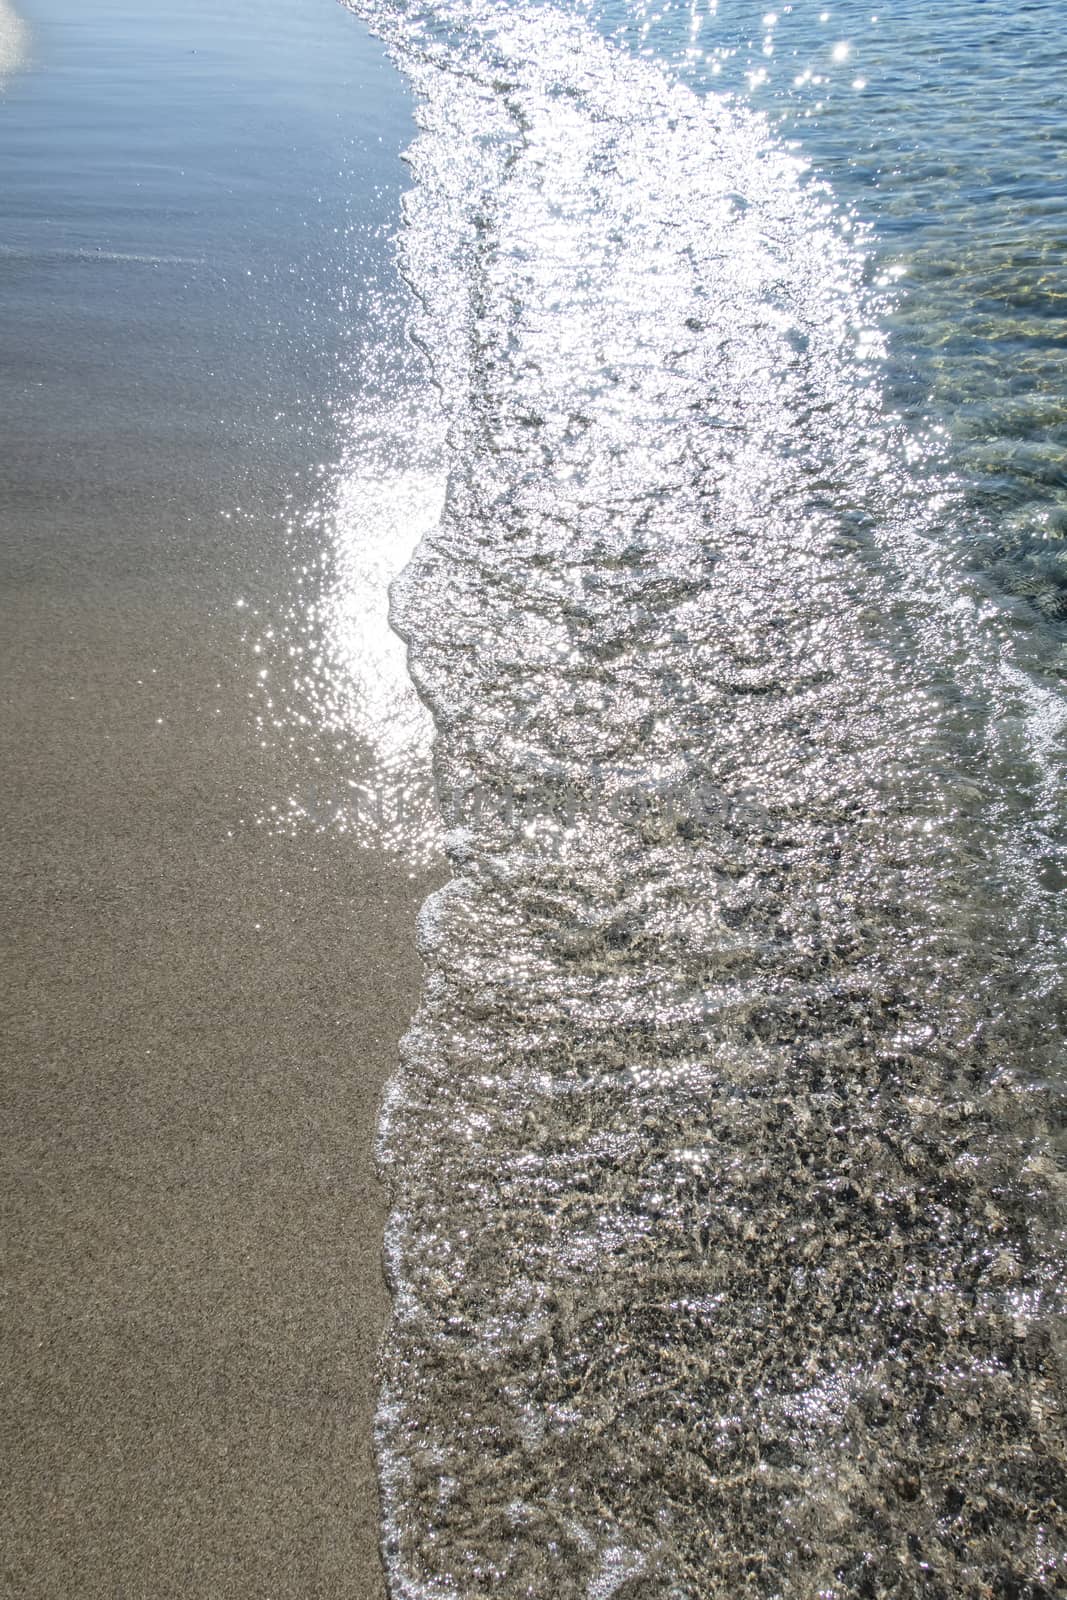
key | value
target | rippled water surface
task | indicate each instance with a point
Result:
(946, 127)
(727, 1202)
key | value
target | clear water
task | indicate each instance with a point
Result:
(945, 128)
(727, 1203)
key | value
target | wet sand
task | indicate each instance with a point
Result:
(199, 1012)
(193, 1283)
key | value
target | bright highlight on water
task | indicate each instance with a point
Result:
(14, 39)
(727, 1210)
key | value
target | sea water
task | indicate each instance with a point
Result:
(727, 1203)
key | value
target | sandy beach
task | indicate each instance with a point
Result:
(712, 467)
(199, 1011)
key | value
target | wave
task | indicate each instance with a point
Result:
(725, 1206)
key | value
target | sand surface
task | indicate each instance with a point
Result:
(192, 1275)
(199, 1012)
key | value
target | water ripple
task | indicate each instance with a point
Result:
(725, 1208)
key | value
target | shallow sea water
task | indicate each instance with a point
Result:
(726, 1243)
(945, 127)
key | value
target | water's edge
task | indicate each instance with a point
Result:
(725, 1215)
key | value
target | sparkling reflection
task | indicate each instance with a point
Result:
(724, 1246)
(943, 130)
(334, 684)
(14, 40)
(381, 515)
